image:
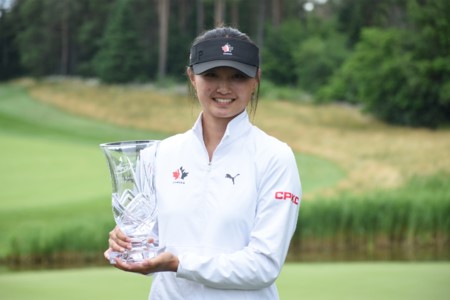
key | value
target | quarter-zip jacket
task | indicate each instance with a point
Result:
(229, 220)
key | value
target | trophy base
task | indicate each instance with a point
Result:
(138, 253)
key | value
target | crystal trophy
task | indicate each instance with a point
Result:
(132, 169)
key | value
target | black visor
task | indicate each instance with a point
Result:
(225, 52)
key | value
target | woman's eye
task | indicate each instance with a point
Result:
(209, 74)
(240, 76)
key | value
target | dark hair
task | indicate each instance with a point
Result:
(230, 32)
(222, 32)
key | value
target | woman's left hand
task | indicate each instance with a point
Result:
(164, 262)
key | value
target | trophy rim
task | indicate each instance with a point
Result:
(127, 143)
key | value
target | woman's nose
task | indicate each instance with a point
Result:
(223, 87)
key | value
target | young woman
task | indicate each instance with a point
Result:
(228, 193)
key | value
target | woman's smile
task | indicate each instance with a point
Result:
(223, 100)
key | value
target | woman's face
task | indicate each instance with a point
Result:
(223, 92)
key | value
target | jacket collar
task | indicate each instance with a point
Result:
(237, 127)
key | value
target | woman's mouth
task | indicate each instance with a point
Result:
(223, 100)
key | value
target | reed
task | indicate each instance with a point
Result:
(412, 218)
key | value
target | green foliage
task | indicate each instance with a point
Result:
(415, 214)
(92, 24)
(303, 54)
(269, 90)
(278, 52)
(396, 52)
(120, 57)
(40, 60)
(45, 33)
(378, 69)
(355, 15)
(401, 76)
(317, 59)
(9, 62)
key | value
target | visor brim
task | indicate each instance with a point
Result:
(248, 70)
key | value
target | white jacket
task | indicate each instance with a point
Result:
(229, 221)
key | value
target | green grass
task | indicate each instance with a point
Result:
(318, 173)
(312, 281)
(377, 281)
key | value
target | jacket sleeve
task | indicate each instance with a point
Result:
(258, 264)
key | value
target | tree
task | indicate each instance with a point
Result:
(276, 13)
(9, 58)
(93, 18)
(354, 15)
(401, 75)
(163, 14)
(278, 52)
(314, 63)
(200, 11)
(37, 40)
(120, 57)
(219, 12)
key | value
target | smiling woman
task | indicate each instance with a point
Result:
(250, 226)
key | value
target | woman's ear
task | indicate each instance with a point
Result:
(257, 80)
(191, 76)
(258, 75)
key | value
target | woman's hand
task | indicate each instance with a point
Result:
(164, 262)
(119, 242)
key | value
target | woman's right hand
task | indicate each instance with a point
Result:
(118, 242)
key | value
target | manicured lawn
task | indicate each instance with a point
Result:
(365, 281)
(312, 281)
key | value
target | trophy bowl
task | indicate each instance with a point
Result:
(131, 166)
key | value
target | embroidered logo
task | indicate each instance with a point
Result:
(231, 177)
(281, 195)
(227, 49)
(179, 175)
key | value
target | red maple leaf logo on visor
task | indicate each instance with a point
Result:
(227, 49)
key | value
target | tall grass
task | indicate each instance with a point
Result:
(379, 224)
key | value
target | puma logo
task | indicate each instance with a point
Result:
(231, 177)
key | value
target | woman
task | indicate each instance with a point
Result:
(228, 194)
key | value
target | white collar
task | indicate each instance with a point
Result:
(237, 127)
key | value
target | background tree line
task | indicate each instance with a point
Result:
(390, 56)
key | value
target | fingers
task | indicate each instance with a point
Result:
(163, 262)
(106, 253)
(144, 267)
(118, 241)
